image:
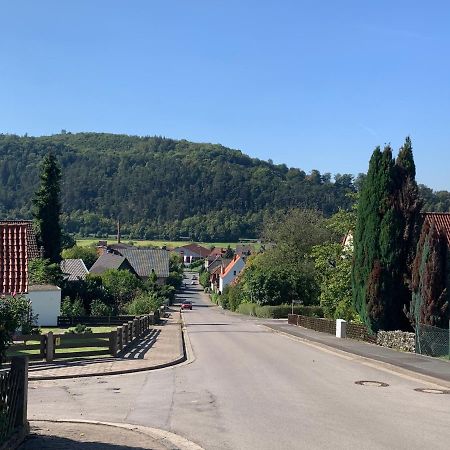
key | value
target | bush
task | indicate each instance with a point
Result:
(98, 308)
(79, 329)
(72, 309)
(249, 309)
(144, 303)
(204, 279)
(279, 311)
(215, 298)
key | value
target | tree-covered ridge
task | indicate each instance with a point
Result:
(159, 186)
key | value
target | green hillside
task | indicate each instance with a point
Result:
(160, 188)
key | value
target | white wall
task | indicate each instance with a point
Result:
(46, 303)
(230, 276)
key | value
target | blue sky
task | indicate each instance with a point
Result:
(307, 83)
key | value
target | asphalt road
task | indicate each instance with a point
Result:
(249, 388)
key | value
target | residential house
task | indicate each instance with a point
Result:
(215, 268)
(146, 260)
(108, 261)
(73, 269)
(18, 246)
(230, 273)
(244, 251)
(192, 252)
(139, 261)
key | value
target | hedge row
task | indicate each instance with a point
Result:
(279, 311)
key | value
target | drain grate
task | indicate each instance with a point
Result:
(371, 383)
(432, 391)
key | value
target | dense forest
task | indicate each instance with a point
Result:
(163, 188)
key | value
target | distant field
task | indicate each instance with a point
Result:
(143, 243)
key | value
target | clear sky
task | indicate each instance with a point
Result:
(313, 84)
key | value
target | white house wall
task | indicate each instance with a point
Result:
(47, 305)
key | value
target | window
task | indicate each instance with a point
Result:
(234, 273)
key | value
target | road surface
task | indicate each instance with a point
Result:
(249, 388)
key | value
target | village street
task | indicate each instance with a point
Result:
(249, 388)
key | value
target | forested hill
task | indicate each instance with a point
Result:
(160, 187)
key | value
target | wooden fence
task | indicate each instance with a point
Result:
(53, 346)
(67, 321)
(13, 403)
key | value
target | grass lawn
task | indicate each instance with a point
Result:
(142, 243)
(56, 330)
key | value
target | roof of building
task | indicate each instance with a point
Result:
(73, 269)
(18, 246)
(195, 248)
(215, 252)
(441, 221)
(230, 266)
(244, 249)
(143, 260)
(108, 261)
(43, 287)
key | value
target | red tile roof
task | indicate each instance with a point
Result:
(230, 266)
(195, 248)
(441, 222)
(17, 247)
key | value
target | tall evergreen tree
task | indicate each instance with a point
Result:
(430, 284)
(47, 209)
(385, 237)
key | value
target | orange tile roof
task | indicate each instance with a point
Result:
(230, 266)
(441, 221)
(17, 247)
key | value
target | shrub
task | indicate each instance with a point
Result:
(72, 309)
(98, 308)
(204, 279)
(279, 311)
(79, 329)
(248, 309)
(145, 303)
(215, 298)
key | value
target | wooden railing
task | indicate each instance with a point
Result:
(53, 346)
(13, 402)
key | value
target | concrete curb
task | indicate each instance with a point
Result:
(166, 438)
(174, 362)
(381, 365)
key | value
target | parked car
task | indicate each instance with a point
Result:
(194, 277)
(193, 282)
(186, 305)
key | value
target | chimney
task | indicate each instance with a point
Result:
(118, 231)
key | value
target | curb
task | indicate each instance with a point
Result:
(166, 438)
(174, 362)
(374, 363)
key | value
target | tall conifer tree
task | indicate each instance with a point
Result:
(385, 238)
(47, 209)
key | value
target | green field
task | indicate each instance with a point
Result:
(143, 243)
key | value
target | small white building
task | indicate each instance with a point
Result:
(230, 273)
(45, 303)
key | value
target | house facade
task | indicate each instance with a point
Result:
(230, 273)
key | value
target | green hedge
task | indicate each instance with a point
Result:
(279, 311)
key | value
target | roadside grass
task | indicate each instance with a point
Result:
(84, 242)
(62, 330)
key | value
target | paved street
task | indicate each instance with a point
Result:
(250, 388)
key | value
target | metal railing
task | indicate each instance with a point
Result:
(13, 398)
(432, 341)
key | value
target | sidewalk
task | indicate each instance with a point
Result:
(162, 347)
(423, 365)
(90, 435)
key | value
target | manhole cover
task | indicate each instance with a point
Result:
(432, 391)
(372, 383)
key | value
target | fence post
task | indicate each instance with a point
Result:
(125, 334)
(113, 343)
(50, 347)
(19, 364)
(130, 330)
(119, 338)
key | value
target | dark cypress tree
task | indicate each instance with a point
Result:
(47, 209)
(430, 299)
(409, 205)
(385, 237)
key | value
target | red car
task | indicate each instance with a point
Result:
(186, 305)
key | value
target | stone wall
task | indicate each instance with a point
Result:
(399, 340)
